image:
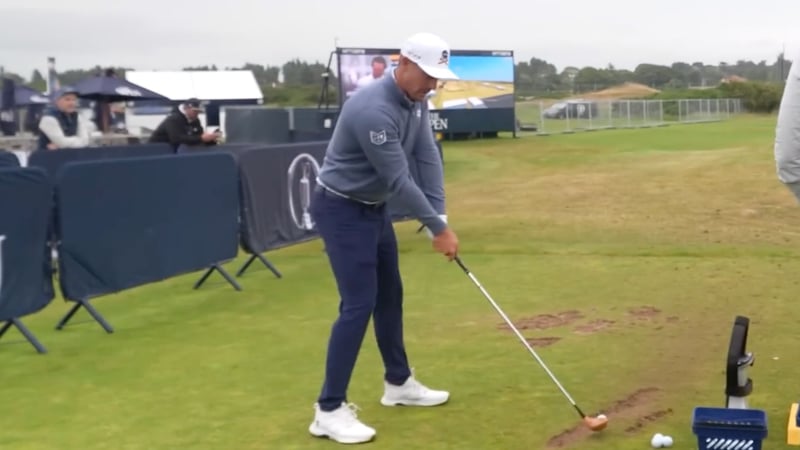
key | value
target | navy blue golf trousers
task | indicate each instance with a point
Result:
(362, 250)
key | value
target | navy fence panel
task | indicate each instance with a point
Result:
(53, 160)
(26, 284)
(25, 273)
(124, 223)
(8, 159)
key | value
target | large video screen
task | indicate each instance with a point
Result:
(486, 82)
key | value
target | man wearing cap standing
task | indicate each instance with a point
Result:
(182, 127)
(61, 125)
(381, 129)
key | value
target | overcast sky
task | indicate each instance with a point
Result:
(170, 34)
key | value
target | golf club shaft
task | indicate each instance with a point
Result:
(519, 335)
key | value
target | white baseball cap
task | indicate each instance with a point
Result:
(431, 53)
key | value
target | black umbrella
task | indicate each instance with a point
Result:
(113, 89)
(106, 89)
(25, 96)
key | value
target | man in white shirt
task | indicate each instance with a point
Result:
(62, 126)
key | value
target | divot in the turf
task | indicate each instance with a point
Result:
(644, 312)
(542, 342)
(594, 326)
(545, 321)
(634, 405)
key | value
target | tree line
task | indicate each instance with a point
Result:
(539, 77)
(302, 81)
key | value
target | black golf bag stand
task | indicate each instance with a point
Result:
(736, 425)
(738, 386)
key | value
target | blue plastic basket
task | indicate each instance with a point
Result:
(722, 428)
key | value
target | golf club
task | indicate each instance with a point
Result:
(594, 423)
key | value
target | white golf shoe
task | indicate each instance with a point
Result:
(341, 425)
(412, 393)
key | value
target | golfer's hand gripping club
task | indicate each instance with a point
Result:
(445, 242)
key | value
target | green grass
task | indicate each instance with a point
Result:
(688, 219)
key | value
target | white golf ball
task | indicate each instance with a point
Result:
(666, 441)
(657, 441)
(601, 416)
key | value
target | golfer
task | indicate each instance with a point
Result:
(380, 129)
(787, 134)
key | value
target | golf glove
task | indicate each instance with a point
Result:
(428, 232)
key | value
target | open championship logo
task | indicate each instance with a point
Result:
(303, 172)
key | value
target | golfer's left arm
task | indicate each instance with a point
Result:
(429, 166)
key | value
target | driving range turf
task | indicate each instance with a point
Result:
(625, 254)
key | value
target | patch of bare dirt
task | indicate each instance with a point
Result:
(569, 437)
(748, 212)
(637, 399)
(594, 326)
(644, 312)
(545, 321)
(647, 419)
(635, 405)
(622, 91)
(543, 341)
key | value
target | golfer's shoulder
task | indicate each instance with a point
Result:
(372, 105)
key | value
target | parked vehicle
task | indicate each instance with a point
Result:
(574, 109)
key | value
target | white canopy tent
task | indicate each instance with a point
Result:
(215, 88)
(224, 85)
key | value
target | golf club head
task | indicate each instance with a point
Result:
(596, 423)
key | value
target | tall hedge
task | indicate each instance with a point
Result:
(757, 96)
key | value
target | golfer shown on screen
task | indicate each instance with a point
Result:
(380, 131)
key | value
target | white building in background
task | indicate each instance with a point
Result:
(215, 89)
